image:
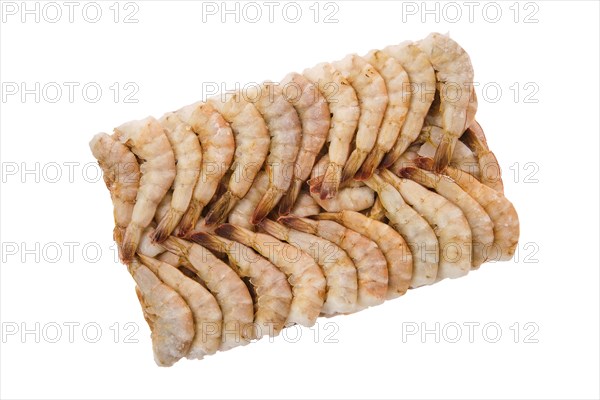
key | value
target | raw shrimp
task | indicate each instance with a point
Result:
(397, 84)
(229, 290)
(422, 88)
(434, 117)
(241, 214)
(499, 208)
(407, 159)
(251, 148)
(338, 268)
(373, 100)
(218, 146)
(285, 130)
(462, 158)
(188, 159)
(454, 74)
(305, 205)
(371, 266)
(345, 112)
(304, 275)
(398, 257)
(121, 174)
(147, 246)
(205, 310)
(377, 212)
(149, 143)
(448, 222)
(419, 236)
(272, 292)
(490, 173)
(355, 198)
(169, 317)
(481, 225)
(314, 116)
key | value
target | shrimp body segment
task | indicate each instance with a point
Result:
(149, 143)
(241, 214)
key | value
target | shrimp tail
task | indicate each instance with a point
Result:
(220, 209)
(352, 165)
(297, 224)
(149, 261)
(330, 216)
(231, 232)
(166, 225)
(316, 183)
(174, 245)
(209, 241)
(190, 218)
(118, 233)
(331, 181)
(424, 162)
(288, 200)
(443, 154)
(370, 164)
(266, 204)
(274, 229)
(418, 176)
(133, 233)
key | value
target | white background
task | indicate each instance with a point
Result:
(552, 283)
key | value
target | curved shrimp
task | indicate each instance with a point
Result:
(251, 148)
(314, 116)
(422, 88)
(397, 83)
(481, 225)
(462, 157)
(398, 257)
(149, 143)
(338, 268)
(371, 266)
(345, 112)
(420, 237)
(454, 74)
(284, 127)
(188, 159)
(304, 275)
(218, 146)
(271, 290)
(373, 100)
(448, 222)
(205, 310)
(305, 205)
(121, 174)
(229, 290)
(489, 168)
(169, 317)
(498, 207)
(241, 214)
(355, 198)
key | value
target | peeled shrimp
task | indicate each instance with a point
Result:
(499, 208)
(398, 257)
(490, 173)
(422, 88)
(419, 236)
(448, 222)
(205, 310)
(270, 286)
(218, 146)
(148, 142)
(188, 159)
(285, 130)
(454, 74)
(371, 266)
(241, 214)
(121, 174)
(305, 205)
(345, 112)
(462, 158)
(481, 225)
(251, 148)
(169, 317)
(338, 268)
(373, 99)
(315, 120)
(397, 84)
(304, 275)
(229, 290)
